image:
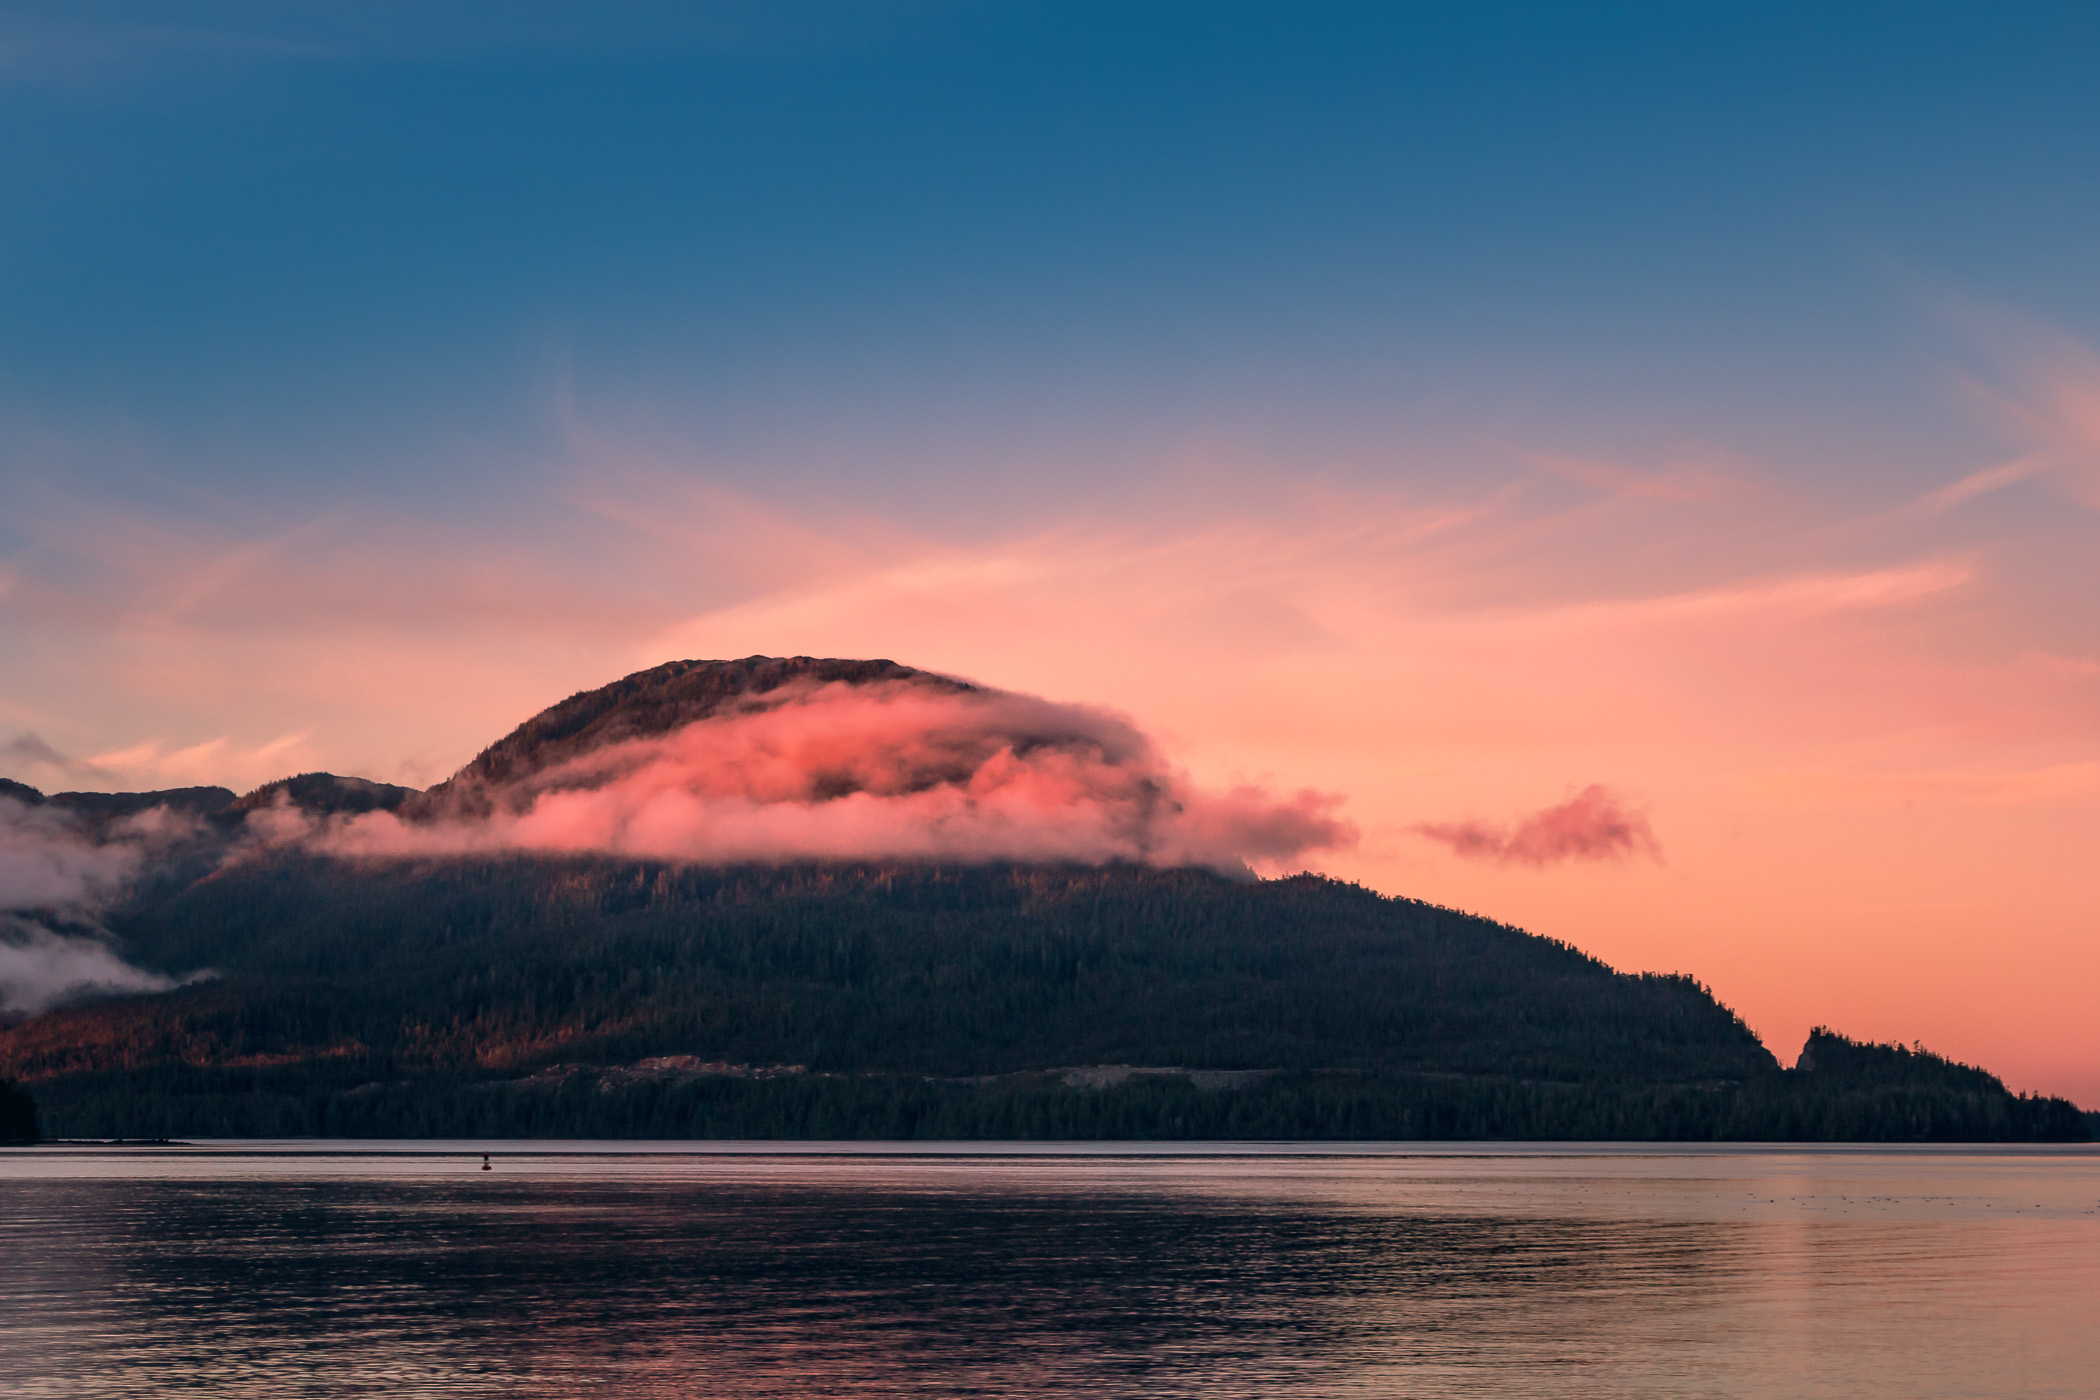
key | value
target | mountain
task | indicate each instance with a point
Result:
(322, 794)
(95, 813)
(394, 968)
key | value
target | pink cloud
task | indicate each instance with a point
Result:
(896, 770)
(1594, 824)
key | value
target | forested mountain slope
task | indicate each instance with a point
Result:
(509, 964)
(604, 996)
(798, 896)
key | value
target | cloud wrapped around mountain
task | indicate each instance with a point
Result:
(1594, 824)
(56, 876)
(47, 861)
(889, 770)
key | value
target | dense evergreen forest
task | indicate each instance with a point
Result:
(321, 1101)
(618, 998)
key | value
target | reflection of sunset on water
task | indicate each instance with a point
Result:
(1556, 1272)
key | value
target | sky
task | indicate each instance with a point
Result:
(1642, 460)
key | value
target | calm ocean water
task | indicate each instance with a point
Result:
(618, 1270)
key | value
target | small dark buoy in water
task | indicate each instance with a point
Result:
(484, 1161)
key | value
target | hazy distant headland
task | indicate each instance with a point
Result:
(808, 898)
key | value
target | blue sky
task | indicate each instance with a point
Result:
(293, 242)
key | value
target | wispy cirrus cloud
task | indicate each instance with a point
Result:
(27, 758)
(151, 764)
(1681, 481)
(2042, 390)
(1989, 479)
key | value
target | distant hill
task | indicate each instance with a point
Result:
(98, 812)
(323, 794)
(1846, 1088)
(521, 994)
(107, 806)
